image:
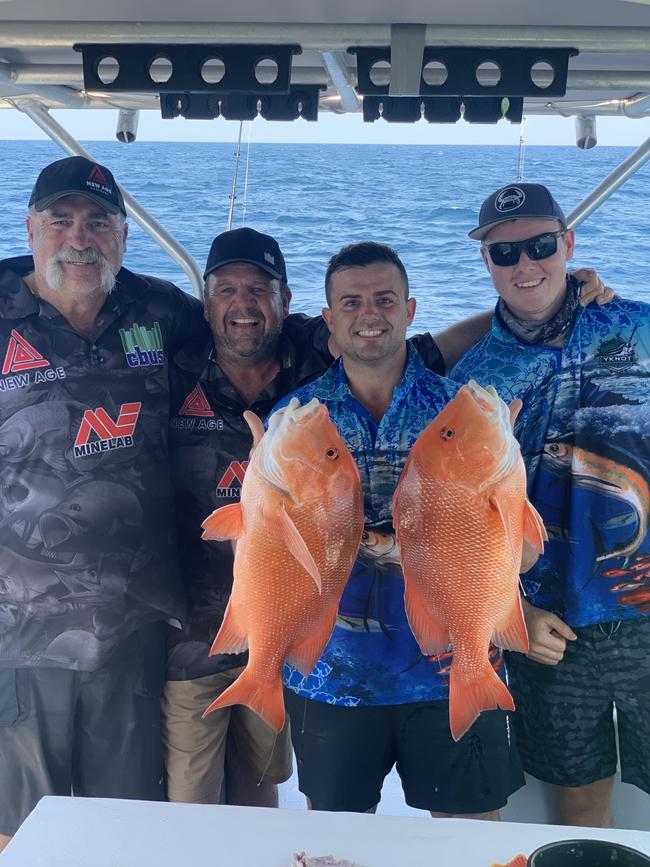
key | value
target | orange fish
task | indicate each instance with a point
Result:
(517, 861)
(298, 529)
(461, 515)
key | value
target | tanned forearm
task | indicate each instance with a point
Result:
(454, 341)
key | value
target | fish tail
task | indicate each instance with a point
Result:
(468, 697)
(263, 697)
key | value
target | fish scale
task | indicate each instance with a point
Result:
(461, 514)
(298, 525)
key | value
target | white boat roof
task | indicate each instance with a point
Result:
(609, 75)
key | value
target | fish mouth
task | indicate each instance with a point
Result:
(13, 494)
(487, 398)
(272, 458)
(57, 530)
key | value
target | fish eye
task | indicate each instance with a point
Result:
(447, 433)
(332, 454)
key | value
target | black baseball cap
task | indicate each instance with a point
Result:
(77, 176)
(247, 245)
(516, 201)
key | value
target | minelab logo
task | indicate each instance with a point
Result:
(142, 347)
(509, 199)
(269, 258)
(110, 434)
(235, 473)
(20, 358)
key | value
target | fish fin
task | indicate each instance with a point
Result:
(493, 500)
(510, 633)
(280, 524)
(58, 462)
(306, 654)
(430, 634)
(256, 425)
(265, 698)
(468, 697)
(514, 409)
(534, 529)
(231, 637)
(224, 523)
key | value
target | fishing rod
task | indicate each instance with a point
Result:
(233, 188)
(522, 144)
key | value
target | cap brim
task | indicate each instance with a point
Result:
(262, 267)
(481, 231)
(46, 201)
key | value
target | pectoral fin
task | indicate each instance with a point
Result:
(534, 529)
(496, 505)
(279, 522)
(224, 523)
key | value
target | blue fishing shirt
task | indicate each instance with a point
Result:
(585, 437)
(372, 657)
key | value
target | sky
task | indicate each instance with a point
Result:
(98, 125)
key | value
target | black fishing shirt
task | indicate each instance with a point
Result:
(87, 546)
(209, 447)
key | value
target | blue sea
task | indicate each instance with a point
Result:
(314, 198)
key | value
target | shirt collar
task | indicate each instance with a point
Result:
(17, 301)
(333, 385)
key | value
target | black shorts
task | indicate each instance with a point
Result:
(88, 733)
(564, 717)
(344, 754)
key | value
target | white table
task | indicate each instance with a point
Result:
(80, 832)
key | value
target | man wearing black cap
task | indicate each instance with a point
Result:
(260, 354)
(582, 373)
(88, 568)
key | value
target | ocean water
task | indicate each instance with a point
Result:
(422, 200)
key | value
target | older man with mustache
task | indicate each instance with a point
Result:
(84, 348)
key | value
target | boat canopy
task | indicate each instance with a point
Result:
(402, 62)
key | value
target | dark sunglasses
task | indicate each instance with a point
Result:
(507, 253)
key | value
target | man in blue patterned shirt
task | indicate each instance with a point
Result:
(373, 700)
(584, 377)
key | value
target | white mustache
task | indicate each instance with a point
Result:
(79, 257)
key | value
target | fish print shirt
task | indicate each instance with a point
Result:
(87, 548)
(372, 657)
(585, 438)
(209, 447)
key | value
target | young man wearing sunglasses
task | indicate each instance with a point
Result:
(582, 373)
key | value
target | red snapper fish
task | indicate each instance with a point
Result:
(298, 528)
(461, 514)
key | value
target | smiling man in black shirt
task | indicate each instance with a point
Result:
(88, 566)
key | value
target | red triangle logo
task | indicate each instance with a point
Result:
(98, 175)
(21, 356)
(196, 403)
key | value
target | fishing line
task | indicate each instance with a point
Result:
(268, 761)
(248, 153)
